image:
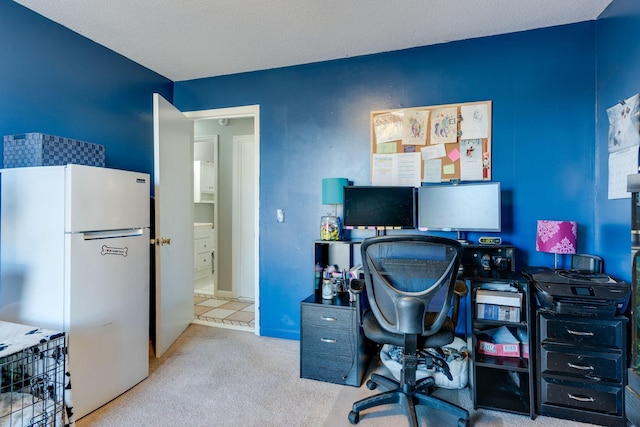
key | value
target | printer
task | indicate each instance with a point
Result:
(578, 292)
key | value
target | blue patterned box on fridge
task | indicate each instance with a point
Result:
(40, 149)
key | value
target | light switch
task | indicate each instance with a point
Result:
(280, 215)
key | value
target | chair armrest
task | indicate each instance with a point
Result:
(356, 286)
(461, 289)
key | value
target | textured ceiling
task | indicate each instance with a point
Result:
(188, 39)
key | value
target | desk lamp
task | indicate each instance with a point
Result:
(332, 194)
(556, 237)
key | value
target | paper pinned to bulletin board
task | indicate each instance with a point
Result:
(623, 145)
(431, 144)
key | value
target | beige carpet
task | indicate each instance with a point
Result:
(223, 377)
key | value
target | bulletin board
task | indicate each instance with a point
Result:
(438, 143)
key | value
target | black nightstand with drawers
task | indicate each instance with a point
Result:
(333, 347)
(581, 368)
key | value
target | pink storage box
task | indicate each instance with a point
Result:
(504, 345)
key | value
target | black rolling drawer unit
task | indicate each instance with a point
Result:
(582, 368)
(332, 345)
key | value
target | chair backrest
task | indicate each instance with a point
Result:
(410, 280)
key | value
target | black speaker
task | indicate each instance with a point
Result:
(587, 263)
(481, 259)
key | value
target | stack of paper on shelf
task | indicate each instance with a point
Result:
(498, 305)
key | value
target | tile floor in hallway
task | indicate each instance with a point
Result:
(235, 313)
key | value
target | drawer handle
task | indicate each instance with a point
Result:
(582, 368)
(579, 333)
(329, 319)
(581, 398)
(329, 340)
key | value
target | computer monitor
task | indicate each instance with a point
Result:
(379, 207)
(460, 207)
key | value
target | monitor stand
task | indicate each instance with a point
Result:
(461, 240)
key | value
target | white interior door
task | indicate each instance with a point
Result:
(173, 183)
(243, 216)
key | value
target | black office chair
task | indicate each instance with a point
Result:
(410, 282)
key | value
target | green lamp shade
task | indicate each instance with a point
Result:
(332, 190)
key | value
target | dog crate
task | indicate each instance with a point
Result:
(32, 377)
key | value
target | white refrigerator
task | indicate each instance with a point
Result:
(79, 236)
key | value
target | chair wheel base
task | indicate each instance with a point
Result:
(371, 385)
(354, 417)
(463, 423)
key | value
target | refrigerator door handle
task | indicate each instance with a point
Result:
(112, 234)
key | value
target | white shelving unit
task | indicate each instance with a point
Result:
(204, 184)
(202, 250)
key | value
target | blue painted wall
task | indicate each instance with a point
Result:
(549, 125)
(55, 81)
(617, 61)
(315, 124)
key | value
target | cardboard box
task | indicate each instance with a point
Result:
(40, 149)
(524, 349)
(504, 343)
(498, 305)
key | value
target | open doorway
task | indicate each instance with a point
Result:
(205, 167)
(220, 130)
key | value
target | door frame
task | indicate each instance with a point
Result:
(238, 273)
(248, 111)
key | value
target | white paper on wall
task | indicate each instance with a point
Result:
(475, 121)
(471, 160)
(623, 143)
(621, 163)
(396, 169)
